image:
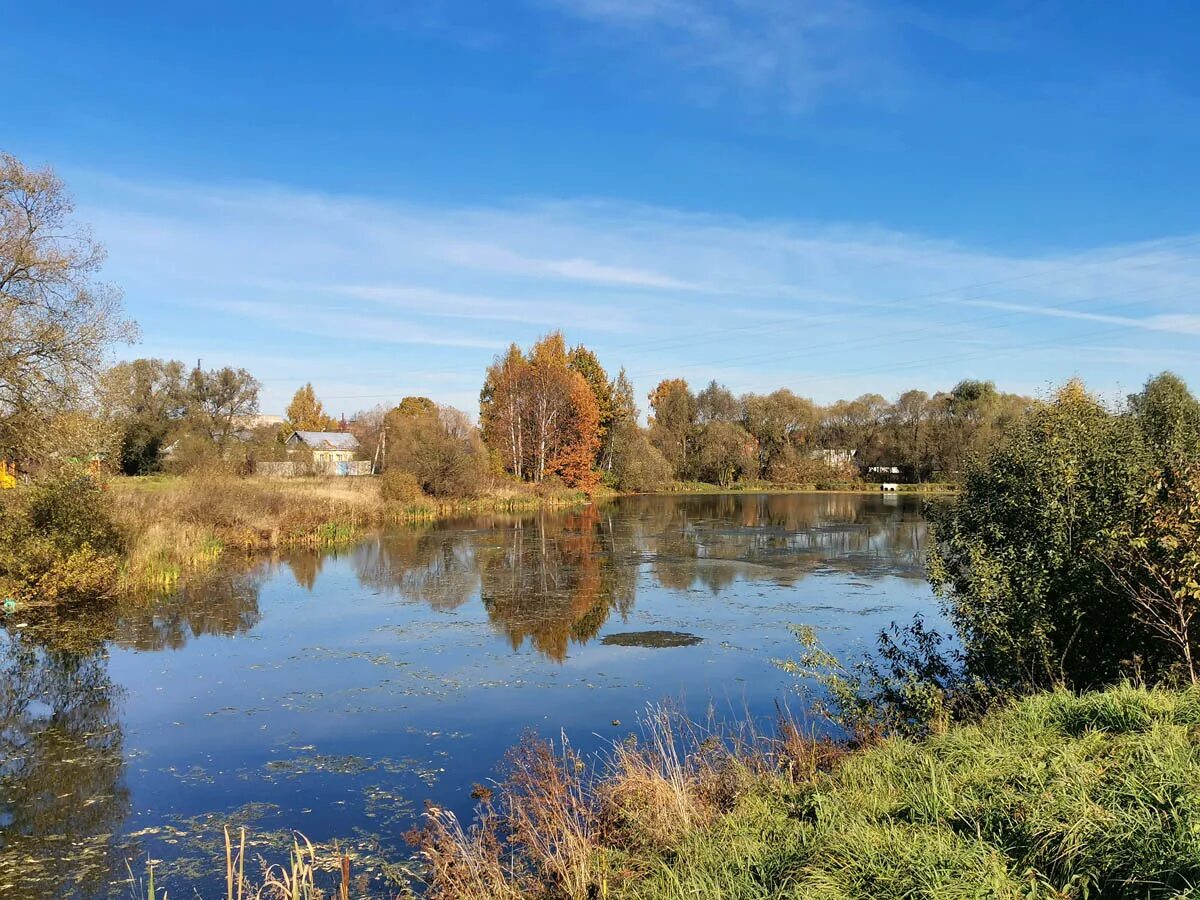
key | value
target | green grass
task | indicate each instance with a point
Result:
(1060, 796)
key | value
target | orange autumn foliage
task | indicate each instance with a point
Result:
(540, 417)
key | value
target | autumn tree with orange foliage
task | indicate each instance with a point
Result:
(541, 417)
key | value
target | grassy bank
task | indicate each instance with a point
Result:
(181, 525)
(1059, 796)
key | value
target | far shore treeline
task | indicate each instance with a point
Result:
(553, 413)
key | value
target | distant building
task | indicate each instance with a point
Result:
(332, 452)
(835, 458)
(883, 470)
(258, 421)
(326, 446)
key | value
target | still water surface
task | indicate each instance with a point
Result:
(335, 693)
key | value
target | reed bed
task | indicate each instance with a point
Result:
(181, 526)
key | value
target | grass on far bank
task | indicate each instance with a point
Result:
(179, 525)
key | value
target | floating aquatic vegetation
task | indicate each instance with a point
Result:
(651, 639)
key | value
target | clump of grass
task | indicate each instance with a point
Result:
(1059, 796)
(177, 526)
(296, 880)
(164, 553)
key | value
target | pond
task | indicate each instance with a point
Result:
(335, 693)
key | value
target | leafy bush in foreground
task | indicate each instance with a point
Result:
(58, 542)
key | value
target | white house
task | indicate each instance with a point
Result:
(326, 446)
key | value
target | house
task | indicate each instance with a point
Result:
(326, 446)
(883, 470)
(332, 452)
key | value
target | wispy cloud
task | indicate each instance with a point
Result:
(792, 53)
(349, 286)
(1171, 323)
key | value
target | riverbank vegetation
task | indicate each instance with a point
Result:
(1054, 796)
(1010, 759)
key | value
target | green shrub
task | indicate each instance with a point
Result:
(58, 542)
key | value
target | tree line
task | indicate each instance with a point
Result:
(1070, 558)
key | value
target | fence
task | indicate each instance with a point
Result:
(293, 469)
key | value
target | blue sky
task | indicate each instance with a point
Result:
(836, 197)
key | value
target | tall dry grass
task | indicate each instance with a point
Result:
(553, 826)
(178, 526)
(1058, 796)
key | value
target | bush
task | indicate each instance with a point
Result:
(637, 464)
(794, 467)
(441, 449)
(197, 454)
(58, 542)
(1023, 553)
(399, 486)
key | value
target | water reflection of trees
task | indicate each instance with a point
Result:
(553, 578)
(433, 565)
(62, 796)
(717, 539)
(224, 603)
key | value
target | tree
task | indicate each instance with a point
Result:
(624, 413)
(584, 361)
(725, 453)
(856, 425)
(1169, 417)
(1024, 553)
(716, 403)
(56, 320)
(906, 441)
(1157, 565)
(637, 465)
(305, 412)
(540, 416)
(440, 448)
(777, 421)
(145, 399)
(218, 401)
(503, 405)
(969, 420)
(412, 406)
(673, 425)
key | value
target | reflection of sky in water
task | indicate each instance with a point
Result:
(333, 693)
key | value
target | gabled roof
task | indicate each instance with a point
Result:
(326, 440)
